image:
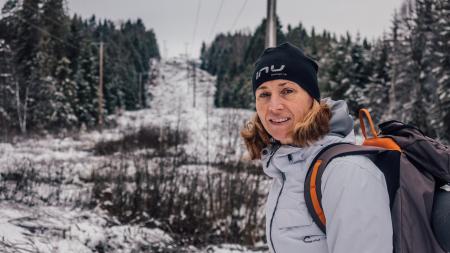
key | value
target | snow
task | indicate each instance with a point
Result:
(50, 217)
(59, 229)
(443, 79)
(228, 248)
(173, 105)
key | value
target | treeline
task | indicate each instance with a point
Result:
(49, 66)
(403, 75)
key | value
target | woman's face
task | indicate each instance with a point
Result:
(280, 104)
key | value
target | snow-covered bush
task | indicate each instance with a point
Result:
(195, 206)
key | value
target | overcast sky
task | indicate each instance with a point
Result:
(174, 20)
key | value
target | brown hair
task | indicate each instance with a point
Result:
(314, 125)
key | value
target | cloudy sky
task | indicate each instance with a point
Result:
(181, 25)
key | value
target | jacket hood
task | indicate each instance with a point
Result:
(341, 123)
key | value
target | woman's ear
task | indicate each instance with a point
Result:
(312, 103)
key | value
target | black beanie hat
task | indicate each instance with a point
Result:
(287, 62)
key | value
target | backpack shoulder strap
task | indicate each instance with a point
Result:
(313, 180)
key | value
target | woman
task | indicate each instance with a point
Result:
(291, 125)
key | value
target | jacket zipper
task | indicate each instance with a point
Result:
(277, 146)
(275, 209)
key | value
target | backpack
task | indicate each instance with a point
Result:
(415, 167)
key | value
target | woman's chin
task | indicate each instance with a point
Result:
(284, 139)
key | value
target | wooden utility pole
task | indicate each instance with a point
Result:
(207, 127)
(140, 90)
(193, 77)
(271, 31)
(100, 87)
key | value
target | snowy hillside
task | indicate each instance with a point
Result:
(53, 198)
(211, 130)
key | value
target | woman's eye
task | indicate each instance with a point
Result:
(264, 94)
(287, 91)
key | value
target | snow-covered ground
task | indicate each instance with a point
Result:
(54, 222)
(211, 130)
(61, 229)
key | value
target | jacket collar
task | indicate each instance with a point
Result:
(276, 150)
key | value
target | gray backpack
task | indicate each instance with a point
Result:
(415, 167)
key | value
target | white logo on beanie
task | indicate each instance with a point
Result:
(272, 69)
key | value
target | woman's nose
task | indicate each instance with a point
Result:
(275, 103)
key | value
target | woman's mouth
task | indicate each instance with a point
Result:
(279, 121)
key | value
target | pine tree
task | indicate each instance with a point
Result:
(44, 106)
(203, 58)
(313, 45)
(359, 71)
(338, 70)
(298, 36)
(86, 79)
(75, 38)
(404, 70)
(323, 46)
(257, 42)
(56, 23)
(26, 45)
(7, 89)
(56, 64)
(421, 40)
(376, 92)
(8, 113)
(442, 70)
(64, 98)
(224, 59)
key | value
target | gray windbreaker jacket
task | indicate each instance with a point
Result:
(354, 197)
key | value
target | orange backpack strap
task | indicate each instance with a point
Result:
(375, 140)
(313, 180)
(364, 112)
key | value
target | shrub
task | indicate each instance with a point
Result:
(194, 207)
(146, 137)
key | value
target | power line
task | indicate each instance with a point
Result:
(65, 7)
(45, 17)
(217, 18)
(59, 23)
(44, 30)
(239, 14)
(47, 32)
(196, 21)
